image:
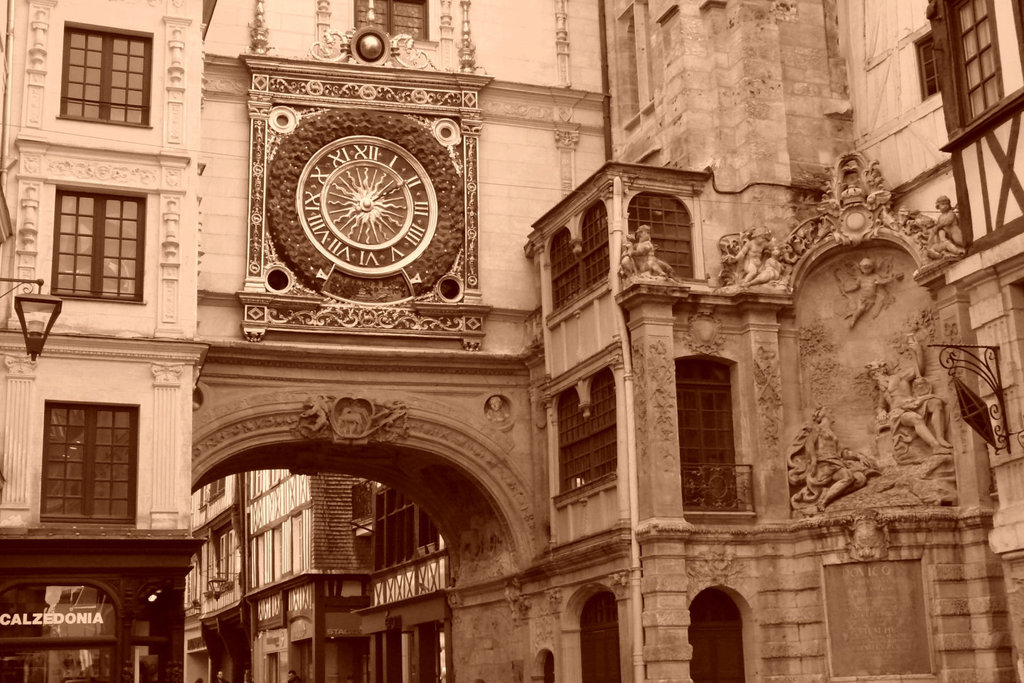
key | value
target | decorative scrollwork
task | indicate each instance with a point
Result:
(988, 420)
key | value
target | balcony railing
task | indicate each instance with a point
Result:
(717, 487)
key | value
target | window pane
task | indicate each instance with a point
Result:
(105, 69)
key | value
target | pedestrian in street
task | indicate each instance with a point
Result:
(293, 677)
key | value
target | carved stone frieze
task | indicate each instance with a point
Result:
(768, 384)
(130, 176)
(348, 420)
(855, 207)
(336, 47)
(654, 398)
(819, 363)
(519, 604)
(867, 537)
(363, 92)
(703, 333)
(713, 568)
(864, 285)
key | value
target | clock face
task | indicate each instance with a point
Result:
(367, 205)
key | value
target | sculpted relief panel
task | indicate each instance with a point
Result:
(876, 414)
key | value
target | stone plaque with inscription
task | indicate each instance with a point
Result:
(876, 619)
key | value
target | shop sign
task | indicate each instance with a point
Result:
(50, 618)
(56, 611)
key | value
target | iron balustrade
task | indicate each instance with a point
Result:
(717, 487)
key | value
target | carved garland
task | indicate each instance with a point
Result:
(769, 396)
(318, 130)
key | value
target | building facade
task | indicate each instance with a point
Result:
(100, 132)
(979, 67)
(647, 305)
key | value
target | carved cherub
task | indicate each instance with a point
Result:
(945, 237)
(315, 419)
(642, 254)
(869, 283)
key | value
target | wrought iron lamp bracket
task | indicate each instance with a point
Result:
(983, 363)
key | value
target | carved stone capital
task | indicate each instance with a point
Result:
(21, 366)
(166, 375)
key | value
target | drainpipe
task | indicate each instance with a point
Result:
(5, 115)
(606, 97)
(632, 480)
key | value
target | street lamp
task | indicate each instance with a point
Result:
(36, 313)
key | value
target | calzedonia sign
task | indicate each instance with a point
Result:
(50, 618)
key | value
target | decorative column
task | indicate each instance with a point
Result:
(765, 403)
(446, 40)
(35, 70)
(471, 145)
(566, 138)
(174, 116)
(14, 497)
(28, 228)
(166, 451)
(657, 442)
(170, 266)
(467, 50)
(259, 112)
(323, 18)
(562, 44)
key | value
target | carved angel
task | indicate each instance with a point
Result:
(865, 286)
(315, 420)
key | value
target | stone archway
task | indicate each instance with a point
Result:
(460, 476)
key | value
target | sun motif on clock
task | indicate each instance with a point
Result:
(367, 204)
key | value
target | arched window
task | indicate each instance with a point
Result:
(594, 259)
(565, 273)
(716, 634)
(587, 445)
(572, 274)
(670, 229)
(599, 639)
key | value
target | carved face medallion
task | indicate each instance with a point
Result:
(367, 204)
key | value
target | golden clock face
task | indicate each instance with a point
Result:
(367, 204)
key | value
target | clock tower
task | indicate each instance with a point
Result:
(363, 194)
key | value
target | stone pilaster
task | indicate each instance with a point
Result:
(36, 58)
(651, 327)
(566, 140)
(446, 41)
(259, 112)
(168, 324)
(18, 441)
(666, 601)
(562, 73)
(174, 114)
(165, 446)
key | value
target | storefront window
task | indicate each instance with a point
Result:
(64, 634)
